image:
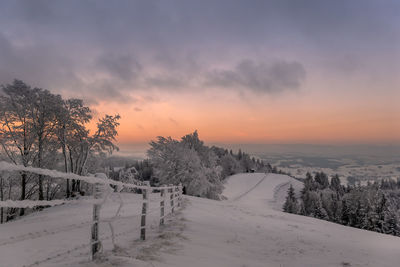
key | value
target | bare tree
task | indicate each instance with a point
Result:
(44, 113)
(16, 127)
(71, 120)
(85, 145)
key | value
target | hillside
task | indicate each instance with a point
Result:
(247, 229)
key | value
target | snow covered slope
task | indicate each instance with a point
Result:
(260, 190)
(246, 230)
(249, 230)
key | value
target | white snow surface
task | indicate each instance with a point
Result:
(248, 229)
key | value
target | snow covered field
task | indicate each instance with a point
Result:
(60, 235)
(248, 229)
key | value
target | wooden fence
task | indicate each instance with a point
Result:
(171, 193)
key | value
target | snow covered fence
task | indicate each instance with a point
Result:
(9, 167)
(102, 191)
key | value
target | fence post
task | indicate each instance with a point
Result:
(172, 197)
(162, 205)
(176, 196)
(143, 219)
(179, 194)
(95, 243)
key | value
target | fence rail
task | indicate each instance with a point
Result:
(172, 193)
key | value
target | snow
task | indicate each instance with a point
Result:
(259, 190)
(247, 229)
(8, 167)
(35, 203)
(61, 235)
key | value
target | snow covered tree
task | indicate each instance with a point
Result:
(188, 162)
(83, 145)
(44, 109)
(176, 163)
(335, 184)
(71, 120)
(392, 224)
(345, 218)
(322, 180)
(319, 211)
(381, 211)
(16, 128)
(290, 204)
(373, 207)
(229, 165)
(35, 124)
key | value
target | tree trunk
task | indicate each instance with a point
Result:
(68, 193)
(84, 160)
(1, 198)
(64, 150)
(23, 174)
(48, 184)
(23, 191)
(40, 155)
(71, 169)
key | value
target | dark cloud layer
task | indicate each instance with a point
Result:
(125, 67)
(106, 49)
(260, 77)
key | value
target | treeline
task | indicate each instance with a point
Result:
(373, 207)
(41, 129)
(201, 169)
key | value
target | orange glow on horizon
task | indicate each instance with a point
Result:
(294, 120)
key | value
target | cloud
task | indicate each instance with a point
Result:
(38, 64)
(173, 121)
(169, 81)
(124, 67)
(105, 50)
(259, 77)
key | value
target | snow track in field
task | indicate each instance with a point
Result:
(251, 189)
(33, 235)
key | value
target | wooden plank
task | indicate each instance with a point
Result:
(172, 199)
(162, 206)
(143, 217)
(94, 240)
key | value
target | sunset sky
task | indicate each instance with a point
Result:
(237, 71)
